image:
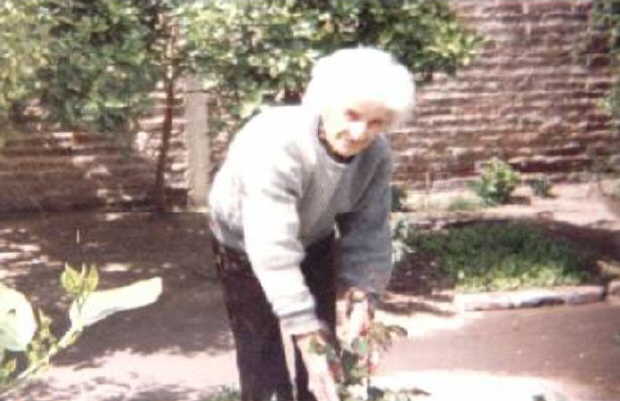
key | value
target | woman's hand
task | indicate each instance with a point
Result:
(354, 316)
(321, 362)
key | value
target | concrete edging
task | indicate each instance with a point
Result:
(576, 295)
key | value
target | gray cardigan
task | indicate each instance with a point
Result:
(279, 191)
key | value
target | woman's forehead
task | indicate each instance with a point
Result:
(369, 108)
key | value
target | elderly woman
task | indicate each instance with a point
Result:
(296, 182)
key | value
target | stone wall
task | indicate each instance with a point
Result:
(530, 97)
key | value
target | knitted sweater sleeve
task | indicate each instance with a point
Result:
(366, 236)
(272, 186)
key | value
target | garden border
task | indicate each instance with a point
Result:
(573, 295)
(512, 299)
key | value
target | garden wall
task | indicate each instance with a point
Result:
(46, 170)
(530, 97)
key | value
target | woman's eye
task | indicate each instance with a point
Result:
(375, 123)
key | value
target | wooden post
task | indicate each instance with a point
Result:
(198, 144)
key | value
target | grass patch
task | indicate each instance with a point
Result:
(462, 204)
(491, 256)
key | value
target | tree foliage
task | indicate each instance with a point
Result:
(98, 64)
(262, 51)
(24, 48)
(92, 65)
(98, 69)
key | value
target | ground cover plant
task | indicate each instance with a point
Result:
(489, 256)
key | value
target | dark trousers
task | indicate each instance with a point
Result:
(258, 340)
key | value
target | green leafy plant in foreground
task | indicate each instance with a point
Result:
(355, 382)
(497, 182)
(500, 256)
(26, 335)
(356, 359)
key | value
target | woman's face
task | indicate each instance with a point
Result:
(349, 129)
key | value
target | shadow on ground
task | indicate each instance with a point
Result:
(110, 390)
(125, 247)
(186, 331)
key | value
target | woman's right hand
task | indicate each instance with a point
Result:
(323, 371)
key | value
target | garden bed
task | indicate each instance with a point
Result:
(570, 239)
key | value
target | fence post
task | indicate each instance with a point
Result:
(198, 144)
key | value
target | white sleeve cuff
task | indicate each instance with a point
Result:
(301, 323)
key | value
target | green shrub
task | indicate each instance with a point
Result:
(496, 183)
(261, 52)
(500, 256)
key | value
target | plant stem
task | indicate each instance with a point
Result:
(67, 339)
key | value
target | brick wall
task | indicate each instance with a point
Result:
(45, 170)
(530, 97)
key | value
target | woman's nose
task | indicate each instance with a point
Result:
(357, 130)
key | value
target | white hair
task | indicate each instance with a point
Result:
(361, 74)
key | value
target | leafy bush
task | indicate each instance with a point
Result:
(500, 256)
(24, 45)
(22, 331)
(84, 62)
(496, 183)
(262, 52)
(93, 65)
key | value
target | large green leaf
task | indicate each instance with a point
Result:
(101, 304)
(17, 321)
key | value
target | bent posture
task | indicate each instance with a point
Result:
(297, 183)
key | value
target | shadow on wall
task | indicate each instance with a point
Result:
(60, 171)
(126, 247)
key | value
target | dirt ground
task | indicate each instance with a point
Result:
(181, 347)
